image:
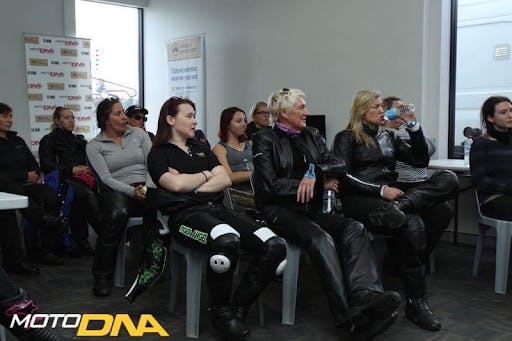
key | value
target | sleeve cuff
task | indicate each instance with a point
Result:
(414, 127)
(381, 192)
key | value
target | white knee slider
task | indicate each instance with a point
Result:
(266, 235)
(220, 263)
(280, 267)
(222, 234)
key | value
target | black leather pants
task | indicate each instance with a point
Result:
(115, 208)
(84, 209)
(429, 199)
(339, 248)
(266, 253)
(440, 187)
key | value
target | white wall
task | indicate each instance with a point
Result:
(16, 17)
(328, 48)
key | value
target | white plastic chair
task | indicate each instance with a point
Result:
(503, 237)
(121, 252)
(3, 337)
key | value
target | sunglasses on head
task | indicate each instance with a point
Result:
(140, 118)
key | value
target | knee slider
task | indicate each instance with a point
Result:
(276, 250)
(274, 246)
(225, 244)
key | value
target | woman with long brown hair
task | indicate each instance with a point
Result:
(194, 180)
(233, 150)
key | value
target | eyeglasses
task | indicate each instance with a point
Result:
(140, 118)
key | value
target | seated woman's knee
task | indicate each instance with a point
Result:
(448, 179)
(224, 248)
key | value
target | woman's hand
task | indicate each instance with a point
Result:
(80, 169)
(140, 192)
(306, 189)
(331, 185)
(391, 193)
(33, 177)
(173, 171)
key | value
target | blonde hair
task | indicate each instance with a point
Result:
(283, 100)
(56, 116)
(362, 102)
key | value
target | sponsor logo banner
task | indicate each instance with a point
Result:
(58, 74)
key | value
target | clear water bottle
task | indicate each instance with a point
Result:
(248, 165)
(393, 113)
(329, 201)
(467, 150)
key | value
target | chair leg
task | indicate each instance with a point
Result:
(3, 337)
(503, 236)
(479, 246)
(175, 266)
(261, 311)
(194, 275)
(290, 275)
(120, 261)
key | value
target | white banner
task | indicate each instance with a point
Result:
(185, 72)
(58, 74)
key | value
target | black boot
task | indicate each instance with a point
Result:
(367, 306)
(387, 216)
(241, 312)
(404, 204)
(230, 327)
(418, 311)
(153, 263)
(23, 267)
(21, 306)
(374, 328)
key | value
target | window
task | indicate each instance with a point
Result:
(115, 33)
(481, 62)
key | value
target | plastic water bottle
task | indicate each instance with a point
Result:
(248, 165)
(329, 201)
(393, 113)
(467, 149)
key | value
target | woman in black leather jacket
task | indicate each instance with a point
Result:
(292, 169)
(64, 151)
(370, 195)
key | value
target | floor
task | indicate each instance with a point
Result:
(468, 307)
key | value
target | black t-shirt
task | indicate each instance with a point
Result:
(199, 158)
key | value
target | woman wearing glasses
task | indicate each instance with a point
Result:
(490, 159)
(260, 119)
(118, 156)
(137, 117)
(233, 151)
(193, 180)
(64, 151)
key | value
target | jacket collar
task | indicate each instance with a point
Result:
(11, 135)
(371, 129)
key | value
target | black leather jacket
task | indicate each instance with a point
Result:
(16, 159)
(369, 168)
(275, 181)
(62, 150)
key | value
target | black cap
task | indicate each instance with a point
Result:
(133, 109)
